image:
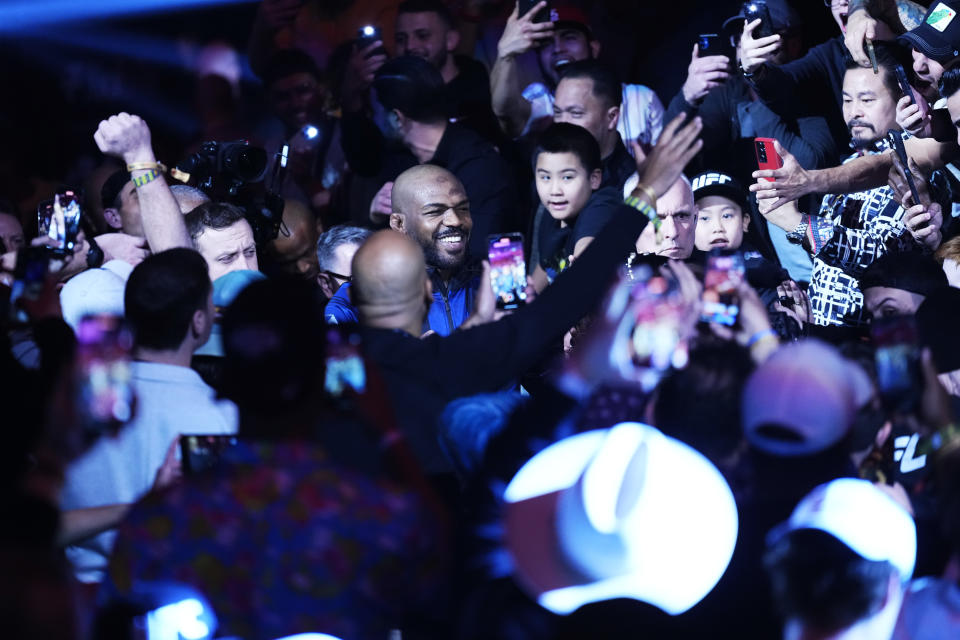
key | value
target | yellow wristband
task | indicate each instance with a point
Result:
(147, 166)
(647, 189)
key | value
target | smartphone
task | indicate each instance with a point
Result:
(201, 452)
(105, 393)
(896, 139)
(508, 270)
(525, 6)
(721, 303)
(758, 9)
(366, 36)
(767, 156)
(709, 44)
(652, 322)
(904, 83)
(345, 369)
(59, 220)
(897, 358)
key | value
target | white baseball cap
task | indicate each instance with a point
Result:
(862, 517)
(625, 512)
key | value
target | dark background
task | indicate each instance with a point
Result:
(63, 76)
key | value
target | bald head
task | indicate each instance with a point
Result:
(390, 286)
(678, 224)
(294, 250)
(431, 206)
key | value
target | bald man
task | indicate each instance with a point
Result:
(430, 206)
(294, 250)
(391, 290)
(678, 224)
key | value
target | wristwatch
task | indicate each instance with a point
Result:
(94, 254)
(797, 235)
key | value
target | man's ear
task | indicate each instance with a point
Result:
(595, 48)
(323, 281)
(396, 222)
(200, 323)
(395, 119)
(596, 177)
(746, 221)
(453, 40)
(112, 218)
(613, 118)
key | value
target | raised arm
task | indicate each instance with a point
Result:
(127, 137)
(520, 35)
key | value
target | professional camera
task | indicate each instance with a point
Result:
(233, 172)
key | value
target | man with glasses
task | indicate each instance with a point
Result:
(335, 249)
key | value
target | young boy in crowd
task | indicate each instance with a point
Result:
(567, 174)
(721, 221)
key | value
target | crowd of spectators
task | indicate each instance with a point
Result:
(289, 385)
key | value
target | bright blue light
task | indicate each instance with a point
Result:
(178, 620)
(17, 15)
(369, 30)
(310, 132)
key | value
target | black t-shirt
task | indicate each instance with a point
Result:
(556, 243)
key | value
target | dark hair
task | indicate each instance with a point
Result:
(889, 55)
(911, 271)
(563, 137)
(211, 215)
(820, 581)
(412, 86)
(110, 191)
(714, 377)
(162, 294)
(950, 82)
(287, 62)
(428, 6)
(606, 85)
(335, 236)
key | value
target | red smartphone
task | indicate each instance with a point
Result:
(767, 156)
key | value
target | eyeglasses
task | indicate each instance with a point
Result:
(830, 4)
(338, 276)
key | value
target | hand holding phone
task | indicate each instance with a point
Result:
(896, 139)
(508, 270)
(757, 9)
(59, 220)
(366, 36)
(904, 82)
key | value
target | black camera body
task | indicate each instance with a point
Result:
(233, 172)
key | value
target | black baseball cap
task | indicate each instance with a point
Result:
(714, 183)
(938, 36)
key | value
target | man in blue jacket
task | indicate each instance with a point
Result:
(431, 207)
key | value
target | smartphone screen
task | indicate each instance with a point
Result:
(708, 44)
(201, 452)
(345, 369)
(897, 358)
(721, 303)
(29, 278)
(654, 322)
(508, 270)
(59, 220)
(105, 390)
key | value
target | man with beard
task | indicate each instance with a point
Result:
(852, 230)
(431, 207)
(564, 39)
